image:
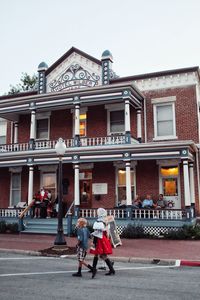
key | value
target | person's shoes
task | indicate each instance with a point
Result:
(94, 272)
(77, 274)
(90, 268)
(110, 273)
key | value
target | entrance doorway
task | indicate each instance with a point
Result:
(85, 185)
(170, 186)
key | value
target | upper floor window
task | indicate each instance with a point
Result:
(83, 124)
(3, 129)
(164, 118)
(115, 118)
(42, 126)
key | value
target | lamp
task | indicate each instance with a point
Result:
(60, 148)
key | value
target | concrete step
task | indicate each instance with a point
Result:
(43, 226)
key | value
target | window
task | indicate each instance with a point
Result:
(15, 188)
(164, 118)
(49, 183)
(42, 131)
(83, 122)
(3, 129)
(121, 180)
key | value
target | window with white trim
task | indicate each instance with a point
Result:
(115, 118)
(164, 120)
(15, 188)
(42, 126)
(3, 129)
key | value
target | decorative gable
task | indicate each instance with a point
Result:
(74, 72)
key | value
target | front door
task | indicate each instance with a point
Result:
(85, 193)
(170, 186)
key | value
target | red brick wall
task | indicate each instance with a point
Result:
(185, 111)
(24, 128)
(96, 121)
(147, 179)
(5, 187)
(61, 124)
(104, 173)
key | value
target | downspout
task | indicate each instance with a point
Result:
(145, 122)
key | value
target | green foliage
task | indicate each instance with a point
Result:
(13, 227)
(27, 83)
(8, 227)
(187, 232)
(133, 232)
(2, 226)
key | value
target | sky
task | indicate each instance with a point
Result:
(143, 36)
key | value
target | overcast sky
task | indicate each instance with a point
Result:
(143, 35)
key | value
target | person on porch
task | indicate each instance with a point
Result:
(148, 202)
(160, 203)
(137, 203)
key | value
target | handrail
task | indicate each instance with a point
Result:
(69, 209)
(26, 209)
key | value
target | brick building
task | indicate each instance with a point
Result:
(124, 135)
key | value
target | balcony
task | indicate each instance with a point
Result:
(84, 142)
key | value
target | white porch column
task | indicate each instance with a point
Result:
(192, 191)
(128, 184)
(77, 120)
(127, 117)
(139, 125)
(30, 185)
(16, 132)
(33, 125)
(186, 183)
(76, 186)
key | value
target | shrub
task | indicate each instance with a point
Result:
(184, 233)
(13, 227)
(2, 227)
(133, 232)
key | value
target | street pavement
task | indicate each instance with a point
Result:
(185, 252)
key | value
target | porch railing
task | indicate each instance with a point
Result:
(12, 212)
(84, 142)
(144, 214)
(135, 214)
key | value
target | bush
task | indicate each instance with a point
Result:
(187, 232)
(133, 232)
(3, 227)
(8, 227)
(13, 227)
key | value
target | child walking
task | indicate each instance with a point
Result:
(83, 235)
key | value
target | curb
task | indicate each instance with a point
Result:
(155, 261)
(190, 263)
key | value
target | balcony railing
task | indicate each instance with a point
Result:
(84, 142)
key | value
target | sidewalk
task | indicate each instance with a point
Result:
(188, 252)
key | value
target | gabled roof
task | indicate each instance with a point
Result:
(68, 53)
(156, 74)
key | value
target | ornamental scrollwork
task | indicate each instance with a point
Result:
(74, 77)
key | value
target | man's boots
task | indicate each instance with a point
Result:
(94, 266)
(110, 266)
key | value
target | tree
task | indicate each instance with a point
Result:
(27, 83)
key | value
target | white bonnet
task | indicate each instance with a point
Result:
(101, 212)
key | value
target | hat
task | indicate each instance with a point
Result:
(101, 212)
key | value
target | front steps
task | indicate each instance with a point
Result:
(43, 226)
